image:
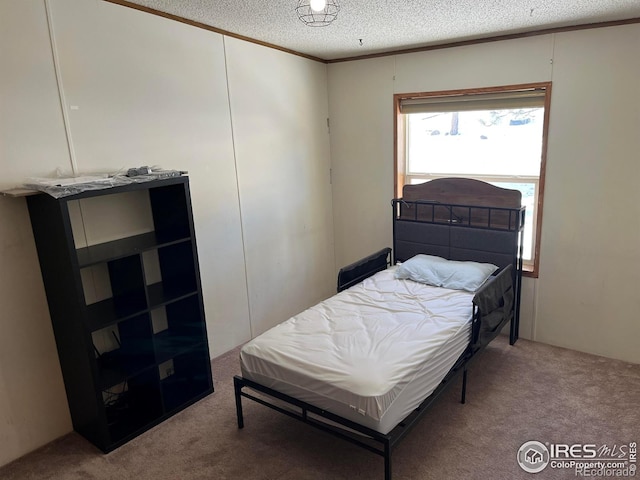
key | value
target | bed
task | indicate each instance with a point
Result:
(366, 364)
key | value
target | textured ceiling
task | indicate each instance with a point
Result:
(388, 25)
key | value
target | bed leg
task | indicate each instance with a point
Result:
(512, 332)
(238, 389)
(464, 386)
(387, 461)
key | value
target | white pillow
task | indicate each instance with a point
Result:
(440, 272)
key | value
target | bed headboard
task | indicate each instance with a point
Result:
(461, 219)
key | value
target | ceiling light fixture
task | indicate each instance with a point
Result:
(317, 13)
(317, 5)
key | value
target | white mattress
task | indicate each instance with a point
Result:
(371, 353)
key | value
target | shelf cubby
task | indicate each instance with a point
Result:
(188, 379)
(182, 333)
(177, 267)
(137, 403)
(133, 352)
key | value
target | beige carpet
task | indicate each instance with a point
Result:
(526, 392)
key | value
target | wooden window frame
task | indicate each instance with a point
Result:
(400, 150)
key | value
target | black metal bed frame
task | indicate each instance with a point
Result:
(403, 228)
(369, 439)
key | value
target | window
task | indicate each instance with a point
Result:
(497, 135)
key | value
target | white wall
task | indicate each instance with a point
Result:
(143, 90)
(361, 112)
(282, 149)
(589, 270)
(584, 297)
(33, 404)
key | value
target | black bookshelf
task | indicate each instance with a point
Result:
(153, 368)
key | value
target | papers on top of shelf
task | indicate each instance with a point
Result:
(63, 182)
(64, 186)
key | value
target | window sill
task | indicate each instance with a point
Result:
(528, 271)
